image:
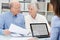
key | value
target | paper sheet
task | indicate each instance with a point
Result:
(17, 29)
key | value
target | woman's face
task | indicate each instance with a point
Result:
(32, 10)
(50, 7)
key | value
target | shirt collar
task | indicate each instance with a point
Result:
(13, 15)
(32, 18)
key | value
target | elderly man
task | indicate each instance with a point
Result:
(34, 17)
(12, 17)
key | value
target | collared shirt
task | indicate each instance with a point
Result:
(39, 19)
(55, 28)
(8, 18)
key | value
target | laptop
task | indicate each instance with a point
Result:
(39, 30)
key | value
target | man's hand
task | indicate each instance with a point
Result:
(6, 32)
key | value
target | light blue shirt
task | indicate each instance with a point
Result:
(8, 18)
(55, 28)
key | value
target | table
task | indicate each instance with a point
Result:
(18, 38)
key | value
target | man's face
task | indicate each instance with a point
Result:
(16, 8)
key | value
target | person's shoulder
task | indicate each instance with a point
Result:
(41, 16)
(55, 22)
(5, 13)
(27, 15)
(20, 15)
(55, 18)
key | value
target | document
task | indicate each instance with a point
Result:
(19, 30)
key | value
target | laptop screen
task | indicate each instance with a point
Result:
(39, 29)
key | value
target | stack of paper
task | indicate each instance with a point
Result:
(18, 30)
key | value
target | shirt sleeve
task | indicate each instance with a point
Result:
(1, 24)
(55, 25)
(54, 33)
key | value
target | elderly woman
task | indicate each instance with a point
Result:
(34, 17)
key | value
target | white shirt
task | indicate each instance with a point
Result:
(39, 19)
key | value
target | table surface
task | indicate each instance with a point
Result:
(18, 38)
